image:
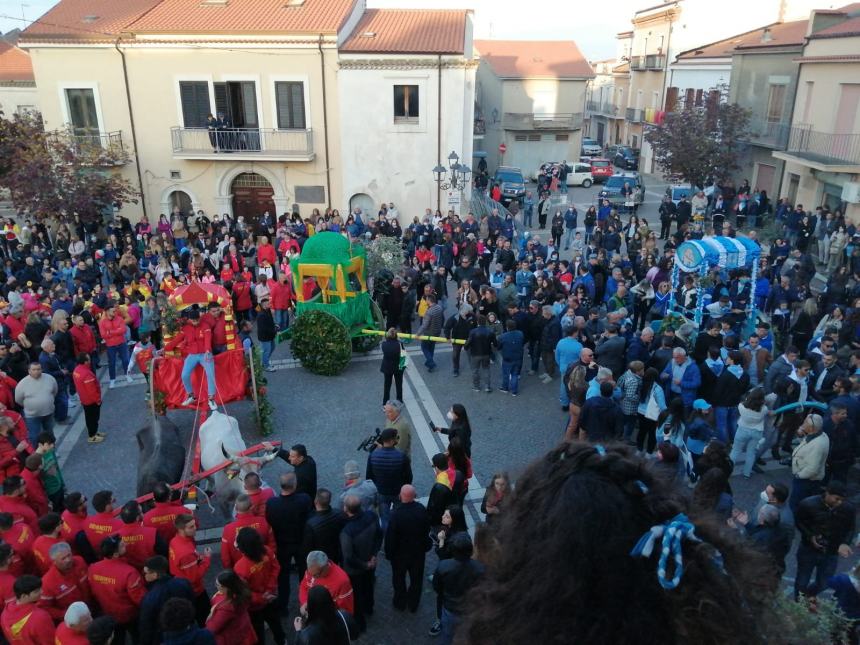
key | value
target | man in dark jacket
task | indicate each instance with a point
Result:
(550, 335)
(480, 346)
(639, 348)
(360, 541)
(441, 494)
(266, 332)
(305, 468)
(684, 212)
(512, 349)
(392, 303)
(843, 442)
(452, 581)
(388, 468)
(611, 350)
(458, 327)
(826, 525)
(600, 418)
(322, 530)
(707, 339)
(287, 514)
(728, 391)
(161, 587)
(406, 543)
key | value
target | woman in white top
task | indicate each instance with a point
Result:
(751, 415)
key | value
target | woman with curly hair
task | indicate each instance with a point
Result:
(580, 560)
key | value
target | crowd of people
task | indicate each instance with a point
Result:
(590, 307)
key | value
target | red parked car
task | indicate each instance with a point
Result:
(601, 169)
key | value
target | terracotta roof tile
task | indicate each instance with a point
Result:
(242, 16)
(848, 28)
(87, 19)
(781, 35)
(534, 58)
(15, 64)
(409, 31)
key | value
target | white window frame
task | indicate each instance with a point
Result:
(258, 91)
(82, 85)
(291, 78)
(204, 78)
(424, 101)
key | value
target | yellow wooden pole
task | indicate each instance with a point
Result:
(435, 339)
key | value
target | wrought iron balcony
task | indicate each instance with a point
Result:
(542, 121)
(824, 148)
(598, 107)
(771, 134)
(242, 143)
(650, 62)
(634, 115)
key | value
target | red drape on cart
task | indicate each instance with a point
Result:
(231, 378)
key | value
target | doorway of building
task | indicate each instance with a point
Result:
(600, 132)
(180, 198)
(252, 196)
(764, 177)
(365, 203)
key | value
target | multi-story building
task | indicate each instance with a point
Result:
(532, 98)
(17, 83)
(606, 101)
(420, 62)
(145, 76)
(822, 153)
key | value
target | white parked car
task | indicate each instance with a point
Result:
(590, 147)
(578, 173)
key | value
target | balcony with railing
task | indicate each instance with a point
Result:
(634, 115)
(822, 150)
(770, 134)
(542, 121)
(91, 147)
(601, 108)
(480, 128)
(649, 62)
(242, 144)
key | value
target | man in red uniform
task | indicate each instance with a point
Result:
(20, 538)
(7, 389)
(281, 296)
(112, 329)
(258, 494)
(50, 526)
(66, 582)
(321, 571)
(36, 498)
(118, 587)
(90, 395)
(104, 523)
(196, 342)
(163, 516)
(20, 428)
(84, 340)
(244, 517)
(72, 529)
(186, 563)
(73, 629)
(214, 319)
(12, 449)
(23, 621)
(6, 577)
(139, 542)
(14, 501)
(259, 568)
(266, 253)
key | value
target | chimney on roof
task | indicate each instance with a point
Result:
(766, 35)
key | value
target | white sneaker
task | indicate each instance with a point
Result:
(112, 384)
(270, 369)
(128, 378)
(212, 405)
(189, 401)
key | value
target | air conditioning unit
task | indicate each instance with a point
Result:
(851, 192)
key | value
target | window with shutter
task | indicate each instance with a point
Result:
(406, 104)
(222, 101)
(194, 96)
(290, 97)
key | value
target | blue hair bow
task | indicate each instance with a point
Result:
(672, 533)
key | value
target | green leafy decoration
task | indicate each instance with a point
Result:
(264, 414)
(810, 621)
(321, 342)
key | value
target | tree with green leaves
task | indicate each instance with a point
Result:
(51, 172)
(696, 144)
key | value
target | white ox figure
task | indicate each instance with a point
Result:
(220, 439)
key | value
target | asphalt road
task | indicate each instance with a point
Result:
(331, 415)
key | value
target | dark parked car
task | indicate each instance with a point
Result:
(627, 158)
(510, 179)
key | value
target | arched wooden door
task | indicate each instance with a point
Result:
(252, 196)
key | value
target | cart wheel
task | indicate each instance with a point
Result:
(321, 342)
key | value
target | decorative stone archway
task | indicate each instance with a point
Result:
(165, 199)
(224, 184)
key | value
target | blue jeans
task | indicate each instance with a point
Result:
(61, 401)
(449, 626)
(809, 559)
(282, 319)
(387, 503)
(527, 218)
(35, 425)
(629, 426)
(563, 397)
(117, 351)
(727, 423)
(267, 347)
(511, 375)
(428, 348)
(568, 237)
(746, 444)
(192, 361)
